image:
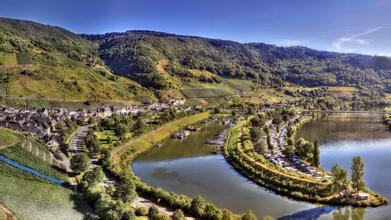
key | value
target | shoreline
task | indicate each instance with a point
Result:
(255, 173)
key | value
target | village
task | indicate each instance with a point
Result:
(44, 123)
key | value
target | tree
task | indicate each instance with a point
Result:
(92, 143)
(227, 215)
(126, 190)
(316, 154)
(94, 176)
(255, 133)
(153, 213)
(139, 125)
(358, 181)
(178, 215)
(211, 212)
(249, 216)
(80, 163)
(128, 215)
(120, 130)
(340, 182)
(197, 206)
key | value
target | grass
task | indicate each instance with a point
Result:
(24, 59)
(103, 137)
(26, 158)
(10, 59)
(30, 198)
(7, 138)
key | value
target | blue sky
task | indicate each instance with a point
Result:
(360, 26)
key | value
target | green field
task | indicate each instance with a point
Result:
(205, 93)
(24, 59)
(30, 198)
(26, 195)
(26, 158)
(7, 138)
(104, 136)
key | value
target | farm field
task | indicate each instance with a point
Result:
(29, 198)
(205, 93)
(26, 158)
(26, 195)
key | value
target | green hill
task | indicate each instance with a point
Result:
(161, 60)
(47, 63)
(50, 63)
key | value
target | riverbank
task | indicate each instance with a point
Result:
(121, 160)
(240, 153)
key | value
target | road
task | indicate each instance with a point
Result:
(348, 111)
(76, 143)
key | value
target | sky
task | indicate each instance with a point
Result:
(357, 26)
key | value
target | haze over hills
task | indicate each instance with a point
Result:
(46, 62)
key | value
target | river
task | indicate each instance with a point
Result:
(188, 167)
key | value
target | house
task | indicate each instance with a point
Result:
(53, 145)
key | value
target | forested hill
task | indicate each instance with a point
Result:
(46, 62)
(141, 55)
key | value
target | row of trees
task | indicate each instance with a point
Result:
(387, 120)
(341, 184)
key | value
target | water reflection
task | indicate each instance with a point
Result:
(353, 213)
(313, 213)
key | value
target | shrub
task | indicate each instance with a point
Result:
(141, 211)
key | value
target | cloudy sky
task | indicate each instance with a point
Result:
(359, 26)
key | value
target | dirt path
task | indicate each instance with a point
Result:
(7, 213)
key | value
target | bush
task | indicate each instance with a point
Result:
(249, 216)
(197, 206)
(141, 211)
(178, 215)
(153, 213)
(80, 163)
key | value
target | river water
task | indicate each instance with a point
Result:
(189, 167)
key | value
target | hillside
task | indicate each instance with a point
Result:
(161, 60)
(50, 63)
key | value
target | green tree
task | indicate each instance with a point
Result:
(140, 125)
(126, 190)
(212, 213)
(197, 206)
(358, 181)
(153, 213)
(255, 133)
(92, 143)
(80, 163)
(340, 182)
(178, 215)
(94, 176)
(120, 130)
(316, 154)
(227, 215)
(128, 215)
(249, 216)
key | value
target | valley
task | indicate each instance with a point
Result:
(152, 125)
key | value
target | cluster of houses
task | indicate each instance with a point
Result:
(42, 123)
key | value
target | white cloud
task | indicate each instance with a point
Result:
(354, 39)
